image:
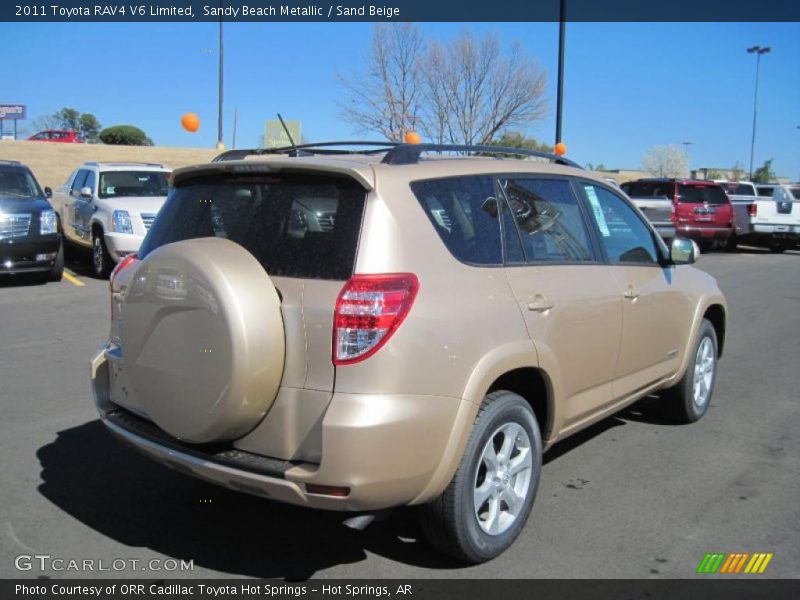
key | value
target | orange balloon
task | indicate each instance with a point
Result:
(561, 148)
(412, 137)
(190, 122)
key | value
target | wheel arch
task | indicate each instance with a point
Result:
(716, 314)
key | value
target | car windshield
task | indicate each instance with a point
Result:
(17, 182)
(116, 184)
(700, 194)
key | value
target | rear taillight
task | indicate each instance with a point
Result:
(368, 311)
(121, 266)
(752, 209)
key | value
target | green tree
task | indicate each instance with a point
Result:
(90, 127)
(124, 135)
(764, 173)
(69, 118)
(515, 139)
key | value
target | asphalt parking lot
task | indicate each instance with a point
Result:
(631, 497)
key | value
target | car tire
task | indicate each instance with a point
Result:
(688, 400)
(102, 262)
(777, 247)
(57, 270)
(469, 521)
(732, 243)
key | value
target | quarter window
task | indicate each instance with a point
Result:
(464, 212)
(626, 239)
(548, 219)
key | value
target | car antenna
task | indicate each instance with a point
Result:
(289, 135)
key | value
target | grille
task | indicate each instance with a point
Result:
(14, 226)
(326, 221)
(147, 219)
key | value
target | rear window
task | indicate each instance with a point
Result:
(649, 189)
(796, 193)
(114, 184)
(740, 189)
(700, 194)
(295, 226)
(766, 191)
(464, 212)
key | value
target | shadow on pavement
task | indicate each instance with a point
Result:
(139, 503)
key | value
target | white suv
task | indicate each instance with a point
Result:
(109, 208)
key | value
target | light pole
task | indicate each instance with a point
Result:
(220, 143)
(686, 152)
(758, 51)
(560, 91)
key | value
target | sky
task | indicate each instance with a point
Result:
(628, 86)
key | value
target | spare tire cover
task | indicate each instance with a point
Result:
(202, 339)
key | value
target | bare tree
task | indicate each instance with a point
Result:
(387, 99)
(666, 161)
(468, 92)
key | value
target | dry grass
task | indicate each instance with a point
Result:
(53, 162)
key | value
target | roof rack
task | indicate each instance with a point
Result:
(10, 162)
(308, 150)
(396, 153)
(409, 154)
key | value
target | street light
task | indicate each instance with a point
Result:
(220, 143)
(758, 51)
(562, 34)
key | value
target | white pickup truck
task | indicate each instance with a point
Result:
(764, 215)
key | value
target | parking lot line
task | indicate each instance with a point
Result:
(73, 280)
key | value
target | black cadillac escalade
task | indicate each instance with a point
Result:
(29, 237)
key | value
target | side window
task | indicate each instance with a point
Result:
(464, 212)
(625, 237)
(77, 183)
(548, 219)
(90, 181)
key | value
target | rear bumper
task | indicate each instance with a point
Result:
(777, 230)
(384, 448)
(29, 255)
(120, 245)
(703, 232)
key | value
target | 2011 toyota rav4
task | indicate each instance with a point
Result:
(359, 331)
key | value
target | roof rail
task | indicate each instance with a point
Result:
(96, 163)
(308, 150)
(409, 154)
(10, 162)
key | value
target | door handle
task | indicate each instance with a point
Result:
(631, 293)
(540, 304)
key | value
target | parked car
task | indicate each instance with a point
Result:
(108, 208)
(700, 210)
(451, 319)
(774, 218)
(65, 136)
(29, 238)
(742, 195)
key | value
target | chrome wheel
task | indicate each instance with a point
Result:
(503, 479)
(704, 363)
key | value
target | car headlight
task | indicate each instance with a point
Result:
(47, 222)
(122, 221)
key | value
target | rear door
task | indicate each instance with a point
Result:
(571, 305)
(655, 315)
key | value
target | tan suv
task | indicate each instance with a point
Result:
(357, 330)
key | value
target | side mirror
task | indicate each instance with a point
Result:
(48, 193)
(86, 192)
(683, 251)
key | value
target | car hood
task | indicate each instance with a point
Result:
(10, 204)
(135, 204)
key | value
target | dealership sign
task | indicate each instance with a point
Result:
(12, 111)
